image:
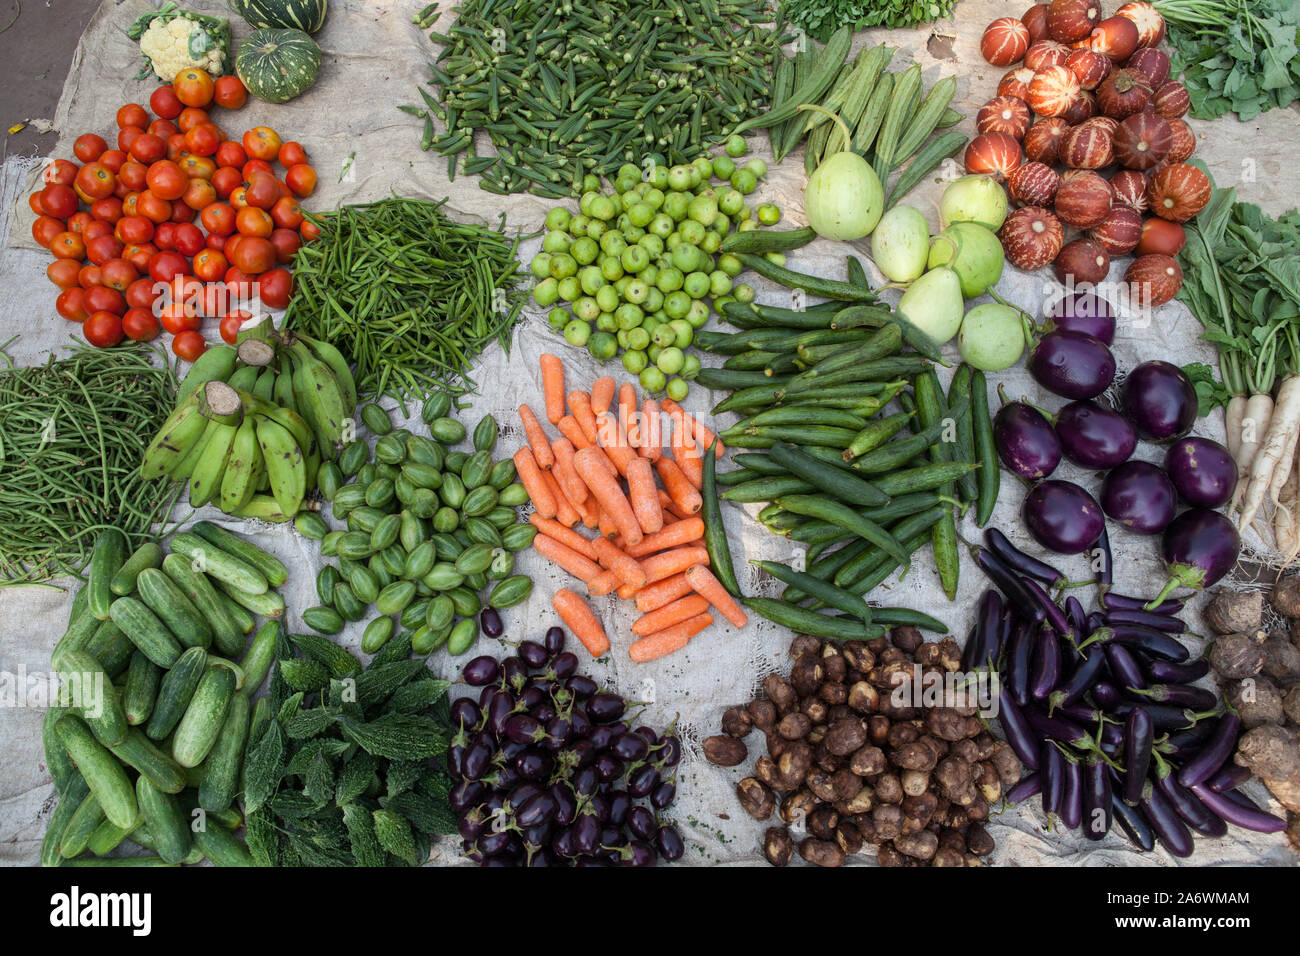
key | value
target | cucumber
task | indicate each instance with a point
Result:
(268, 603)
(146, 631)
(220, 565)
(111, 647)
(148, 555)
(227, 634)
(92, 692)
(162, 596)
(81, 628)
(201, 725)
(142, 677)
(241, 615)
(85, 821)
(221, 779)
(69, 801)
(257, 660)
(272, 568)
(165, 819)
(62, 770)
(222, 847)
(101, 770)
(107, 837)
(138, 752)
(174, 692)
(106, 559)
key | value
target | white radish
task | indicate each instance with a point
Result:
(1284, 523)
(1286, 464)
(1281, 434)
(1254, 426)
(1232, 416)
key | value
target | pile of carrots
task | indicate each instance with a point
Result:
(649, 540)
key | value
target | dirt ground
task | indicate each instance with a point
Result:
(37, 40)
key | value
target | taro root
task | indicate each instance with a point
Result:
(756, 798)
(834, 664)
(776, 744)
(947, 724)
(1256, 700)
(845, 783)
(823, 821)
(978, 840)
(914, 782)
(888, 788)
(1008, 765)
(833, 693)
(849, 837)
(778, 846)
(806, 675)
(906, 638)
(766, 771)
(952, 839)
(798, 806)
(779, 692)
(902, 733)
(805, 644)
(1281, 658)
(736, 722)
(846, 735)
(921, 845)
(859, 803)
(886, 855)
(795, 762)
(1273, 754)
(822, 852)
(955, 781)
(1236, 656)
(762, 713)
(815, 710)
(868, 761)
(888, 820)
(860, 657)
(988, 781)
(1291, 704)
(914, 755)
(863, 697)
(1285, 598)
(724, 751)
(820, 785)
(794, 726)
(919, 810)
(945, 857)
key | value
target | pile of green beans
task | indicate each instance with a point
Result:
(568, 89)
(411, 296)
(851, 445)
(72, 433)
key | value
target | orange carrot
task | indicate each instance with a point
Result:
(677, 533)
(589, 511)
(671, 511)
(580, 406)
(626, 591)
(536, 438)
(670, 614)
(611, 558)
(605, 524)
(531, 477)
(652, 439)
(644, 495)
(692, 466)
(656, 595)
(701, 434)
(553, 387)
(570, 483)
(614, 441)
(679, 487)
(602, 393)
(627, 406)
(603, 583)
(570, 429)
(566, 536)
(565, 513)
(705, 584)
(667, 563)
(584, 624)
(565, 557)
(607, 491)
(670, 639)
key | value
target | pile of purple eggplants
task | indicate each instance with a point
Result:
(1158, 403)
(549, 773)
(1102, 710)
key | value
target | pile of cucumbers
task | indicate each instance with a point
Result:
(431, 534)
(154, 710)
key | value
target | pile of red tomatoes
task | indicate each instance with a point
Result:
(178, 223)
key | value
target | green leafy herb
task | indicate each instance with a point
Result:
(820, 18)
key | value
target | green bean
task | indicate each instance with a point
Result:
(823, 590)
(844, 516)
(803, 621)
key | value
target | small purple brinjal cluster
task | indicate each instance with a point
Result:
(1103, 711)
(550, 773)
(1158, 403)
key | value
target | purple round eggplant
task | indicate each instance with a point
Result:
(1062, 517)
(1025, 440)
(1200, 546)
(1140, 496)
(481, 671)
(1083, 312)
(490, 620)
(1093, 436)
(1072, 364)
(1202, 471)
(1160, 400)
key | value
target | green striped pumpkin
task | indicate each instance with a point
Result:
(277, 65)
(305, 15)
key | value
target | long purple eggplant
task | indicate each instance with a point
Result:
(1167, 672)
(1169, 827)
(1071, 809)
(981, 647)
(1146, 639)
(1106, 694)
(1045, 665)
(1135, 825)
(1030, 785)
(1182, 744)
(1008, 582)
(1122, 602)
(1237, 814)
(1022, 563)
(1096, 798)
(1112, 738)
(1229, 777)
(1215, 753)
(1125, 668)
(1160, 622)
(1051, 610)
(1020, 735)
(1139, 737)
(1076, 615)
(1106, 569)
(1091, 665)
(1181, 695)
(1194, 813)
(1059, 728)
(1051, 768)
(1015, 676)
(1165, 717)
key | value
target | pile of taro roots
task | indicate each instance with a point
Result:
(847, 767)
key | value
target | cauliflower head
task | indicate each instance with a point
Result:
(180, 44)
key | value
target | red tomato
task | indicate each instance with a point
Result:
(100, 298)
(46, 229)
(202, 140)
(238, 197)
(102, 329)
(121, 190)
(230, 323)
(164, 129)
(63, 273)
(148, 148)
(34, 202)
(256, 166)
(88, 146)
(262, 142)
(239, 283)
(193, 87)
(189, 345)
(214, 300)
(274, 288)
(309, 230)
(286, 213)
(68, 245)
(141, 293)
(189, 239)
(141, 325)
(134, 175)
(199, 194)
(253, 255)
(149, 205)
(210, 265)
(301, 180)
(286, 244)
(165, 103)
(191, 117)
(79, 221)
(127, 136)
(107, 210)
(102, 248)
(164, 236)
(112, 159)
(88, 276)
(58, 201)
(229, 92)
(94, 182)
(166, 180)
(214, 241)
(176, 147)
(292, 154)
(71, 304)
(197, 167)
(218, 218)
(226, 180)
(132, 114)
(166, 265)
(60, 171)
(177, 318)
(118, 274)
(139, 254)
(231, 153)
(251, 221)
(95, 229)
(262, 191)
(134, 229)
(182, 212)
